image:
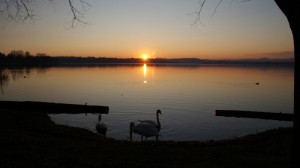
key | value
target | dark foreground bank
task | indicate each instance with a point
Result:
(31, 139)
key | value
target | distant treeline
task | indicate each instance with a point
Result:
(21, 58)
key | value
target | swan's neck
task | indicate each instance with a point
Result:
(157, 118)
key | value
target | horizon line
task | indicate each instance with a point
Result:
(214, 59)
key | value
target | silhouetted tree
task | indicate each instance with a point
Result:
(291, 11)
(2, 56)
(16, 53)
(27, 54)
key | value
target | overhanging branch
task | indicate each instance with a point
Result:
(22, 10)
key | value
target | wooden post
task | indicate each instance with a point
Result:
(254, 114)
(53, 108)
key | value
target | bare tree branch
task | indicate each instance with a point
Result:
(215, 11)
(197, 13)
(16, 10)
(78, 15)
(22, 10)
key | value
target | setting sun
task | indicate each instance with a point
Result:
(145, 57)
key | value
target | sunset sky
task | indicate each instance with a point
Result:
(157, 28)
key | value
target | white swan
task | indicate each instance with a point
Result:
(143, 129)
(155, 124)
(101, 127)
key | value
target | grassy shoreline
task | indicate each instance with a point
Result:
(31, 139)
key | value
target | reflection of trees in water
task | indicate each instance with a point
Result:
(15, 73)
(19, 73)
(4, 78)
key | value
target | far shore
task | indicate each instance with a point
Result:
(69, 61)
(31, 139)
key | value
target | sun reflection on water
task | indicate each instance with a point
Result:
(145, 70)
(145, 73)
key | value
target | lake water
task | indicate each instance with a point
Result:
(187, 96)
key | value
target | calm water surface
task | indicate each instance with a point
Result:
(187, 96)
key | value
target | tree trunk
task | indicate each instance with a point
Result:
(291, 11)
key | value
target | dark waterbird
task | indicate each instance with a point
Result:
(156, 124)
(100, 126)
(152, 122)
(143, 129)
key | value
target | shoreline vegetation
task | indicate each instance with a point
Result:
(25, 59)
(31, 139)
